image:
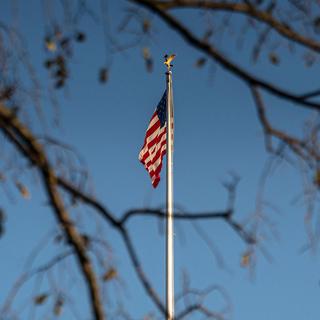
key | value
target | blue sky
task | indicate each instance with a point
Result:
(217, 132)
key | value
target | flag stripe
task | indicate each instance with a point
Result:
(155, 155)
(155, 142)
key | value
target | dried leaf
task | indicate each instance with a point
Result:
(2, 221)
(74, 201)
(149, 64)
(146, 53)
(86, 240)
(7, 92)
(80, 36)
(110, 274)
(2, 177)
(146, 25)
(273, 58)
(59, 83)
(59, 238)
(208, 34)
(57, 309)
(60, 61)
(40, 299)
(103, 75)
(23, 190)
(309, 59)
(245, 259)
(50, 44)
(48, 63)
(65, 43)
(316, 25)
(147, 58)
(201, 62)
(57, 32)
(316, 178)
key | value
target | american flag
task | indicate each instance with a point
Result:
(155, 142)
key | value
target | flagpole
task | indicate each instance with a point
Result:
(169, 240)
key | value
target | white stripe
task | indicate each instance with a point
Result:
(151, 158)
(157, 163)
(153, 120)
(156, 146)
(149, 139)
(156, 133)
(153, 152)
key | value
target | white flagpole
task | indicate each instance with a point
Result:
(169, 241)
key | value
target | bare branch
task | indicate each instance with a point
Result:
(16, 131)
(245, 9)
(298, 146)
(177, 215)
(28, 275)
(211, 51)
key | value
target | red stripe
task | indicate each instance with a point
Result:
(156, 140)
(155, 157)
(158, 152)
(155, 171)
(154, 128)
(158, 169)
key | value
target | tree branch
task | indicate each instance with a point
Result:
(28, 275)
(28, 146)
(245, 9)
(177, 215)
(298, 146)
(212, 52)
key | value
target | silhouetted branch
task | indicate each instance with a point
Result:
(199, 308)
(211, 51)
(57, 185)
(177, 215)
(300, 147)
(264, 16)
(140, 273)
(17, 132)
(28, 275)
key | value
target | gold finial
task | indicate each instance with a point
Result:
(168, 59)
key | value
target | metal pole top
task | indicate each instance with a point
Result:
(167, 61)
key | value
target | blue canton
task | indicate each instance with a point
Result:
(162, 109)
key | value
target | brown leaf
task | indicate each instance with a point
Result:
(316, 178)
(146, 25)
(57, 309)
(50, 44)
(201, 62)
(40, 299)
(147, 58)
(59, 238)
(7, 92)
(245, 259)
(2, 222)
(316, 25)
(103, 75)
(110, 274)
(23, 190)
(146, 53)
(2, 177)
(86, 240)
(59, 83)
(273, 58)
(208, 34)
(80, 36)
(309, 59)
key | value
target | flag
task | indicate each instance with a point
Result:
(155, 142)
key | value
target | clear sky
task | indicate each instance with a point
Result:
(216, 132)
